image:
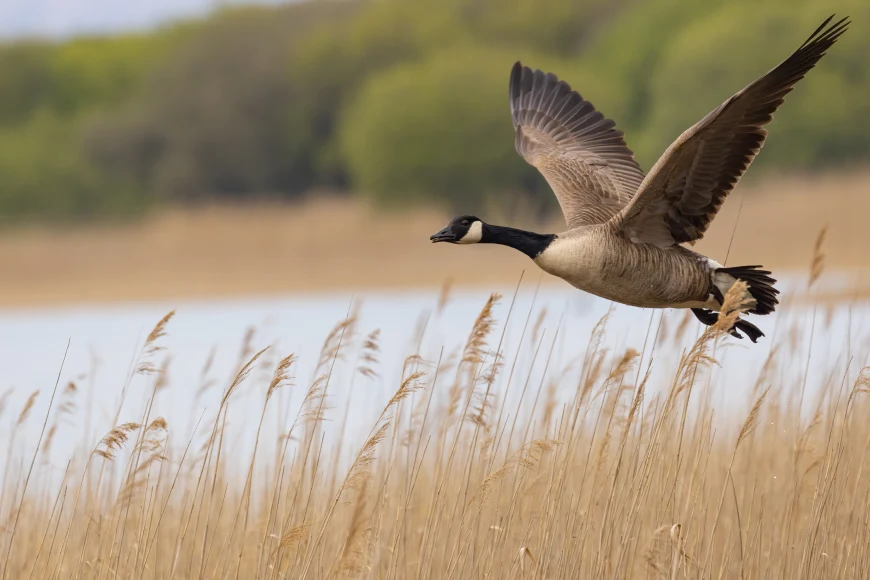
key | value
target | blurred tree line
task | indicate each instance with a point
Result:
(401, 100)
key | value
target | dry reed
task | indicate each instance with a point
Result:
(585, 468)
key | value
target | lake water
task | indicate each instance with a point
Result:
(104, 340)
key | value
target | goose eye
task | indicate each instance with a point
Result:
(465, 222)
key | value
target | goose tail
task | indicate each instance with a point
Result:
(760, 286)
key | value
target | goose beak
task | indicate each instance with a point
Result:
(445, 235)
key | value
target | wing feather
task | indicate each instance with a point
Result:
(685, 189)
(579, 152)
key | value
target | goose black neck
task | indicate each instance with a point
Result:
(529, 243)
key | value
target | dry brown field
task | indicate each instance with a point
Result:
(336, 244)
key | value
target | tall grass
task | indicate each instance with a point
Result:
(471, 470)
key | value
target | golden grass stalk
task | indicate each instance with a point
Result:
(475, 346)
(151, 347)
(360, 469)
(355, 555)
(11, 543)
(526, 457)
(817, 262)
(3, 399)
(444, 295)
(28, 405)
(336, 343)
(651, 478)
(240, 377)
(748, 427)
(114, 440)
(368, 357)
(65, 409)
(281, 377)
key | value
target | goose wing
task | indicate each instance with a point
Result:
(685, 189)
(580, 153)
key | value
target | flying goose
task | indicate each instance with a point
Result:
(625, 229)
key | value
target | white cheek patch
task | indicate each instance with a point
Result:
(473, 235)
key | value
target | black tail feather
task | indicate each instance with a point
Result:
(760, 286)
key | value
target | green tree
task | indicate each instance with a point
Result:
(220, 118)
(405, 100)
(43, 174)
(825, 120)
(97, 73)
(26, 80)
(437, 130)
(557, 27)
(626, 51)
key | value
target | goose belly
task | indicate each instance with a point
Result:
(629, 273)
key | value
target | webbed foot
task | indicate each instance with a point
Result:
(710, 318)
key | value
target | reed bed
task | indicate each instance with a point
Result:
(457, 478)
(336, 244)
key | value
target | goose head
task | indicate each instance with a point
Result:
(464, 229)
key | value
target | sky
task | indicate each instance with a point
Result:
(65, 18)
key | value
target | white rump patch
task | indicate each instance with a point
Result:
(473, 235)
(724, 281)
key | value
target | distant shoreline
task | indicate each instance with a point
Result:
(337, 245)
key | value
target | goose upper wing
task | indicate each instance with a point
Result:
(685, 189)
(581, 154)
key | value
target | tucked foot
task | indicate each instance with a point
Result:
(752, 331)
(707, 317)
(710, 318)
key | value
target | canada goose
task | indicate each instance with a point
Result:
(625, 228)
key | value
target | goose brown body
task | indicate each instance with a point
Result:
(595, 260)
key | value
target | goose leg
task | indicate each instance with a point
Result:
(752, 331)
(710, 318)
(707, 317)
